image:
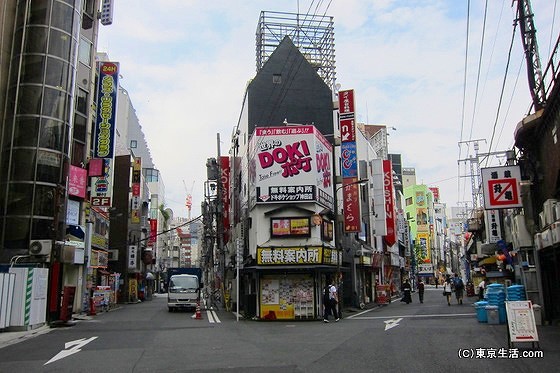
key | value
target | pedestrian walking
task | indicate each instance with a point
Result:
(447, 290)
(481, 287)
(459, 288)
(407, 289)
(330, 302)
(420, 288)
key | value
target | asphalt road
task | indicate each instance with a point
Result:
(398, 337)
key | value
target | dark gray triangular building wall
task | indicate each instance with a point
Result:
(288, 88)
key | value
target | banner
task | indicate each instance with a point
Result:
(391, 237)
(107, 89)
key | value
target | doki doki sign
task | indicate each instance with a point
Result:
(391, 237)
(291, 164)
(107, 89)
(501, 187)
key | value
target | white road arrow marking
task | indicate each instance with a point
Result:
(76, 347)
(392, 323)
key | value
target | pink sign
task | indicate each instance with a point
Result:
(391, 236)
(77, 182)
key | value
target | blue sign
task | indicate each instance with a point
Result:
(349, 159)
(107, 88)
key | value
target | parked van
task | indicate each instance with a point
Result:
(183, 291)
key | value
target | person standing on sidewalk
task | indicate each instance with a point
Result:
(481, 287)
(420, 288)
(330, 302)
(447, 289)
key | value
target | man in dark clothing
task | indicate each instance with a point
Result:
(459, 287)
(420, 287)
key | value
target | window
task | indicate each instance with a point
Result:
(84, 51)
(57, 73)
(82, 102)
(133, 144)
(408, 201)
(152, 175)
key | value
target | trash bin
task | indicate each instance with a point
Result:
(481, 311)
(537, 313)
(492, 314)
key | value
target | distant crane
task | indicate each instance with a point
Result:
(188, 200)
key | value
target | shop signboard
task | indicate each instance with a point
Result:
(101, 186)
(501, 187)
(290, 227)
(108, 86)
(521, 321)
(291, 164)
(298, 255)
(382, 294)
(391, 236)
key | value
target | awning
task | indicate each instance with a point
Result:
(489, 260)
(75, 231)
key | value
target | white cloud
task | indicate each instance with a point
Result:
(186, 65)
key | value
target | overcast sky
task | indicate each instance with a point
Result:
(186, 63)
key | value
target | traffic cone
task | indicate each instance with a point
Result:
(92, 307)
(198, 314)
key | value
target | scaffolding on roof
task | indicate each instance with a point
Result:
(312, 34)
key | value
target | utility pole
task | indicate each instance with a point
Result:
(220, 221)
(476, 181)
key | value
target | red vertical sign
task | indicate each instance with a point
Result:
(350, 190)
(153, 232)
(351, 205)
(391, 236)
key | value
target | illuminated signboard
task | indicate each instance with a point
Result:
(290, 165)
(290, 227)
(107, 88)
(303, 255)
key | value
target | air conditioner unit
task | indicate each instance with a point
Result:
(113, 255)
(542, 220)
(520, 233)
(557, 211)
(538, 241)
(555, 231)
(40, 247)
(548, 209)
(546, 238)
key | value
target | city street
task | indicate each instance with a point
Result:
(145, 337)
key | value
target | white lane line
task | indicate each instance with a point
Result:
(216, 318)
(412, 316)
(212, 317)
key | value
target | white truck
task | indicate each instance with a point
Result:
(183, 292)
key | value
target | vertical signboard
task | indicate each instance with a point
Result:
(107, 89)
(493, 226)
(77, 181)
(136, 203)
(225, 180)
(349, 162)
(391, 237)
(101, 186)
